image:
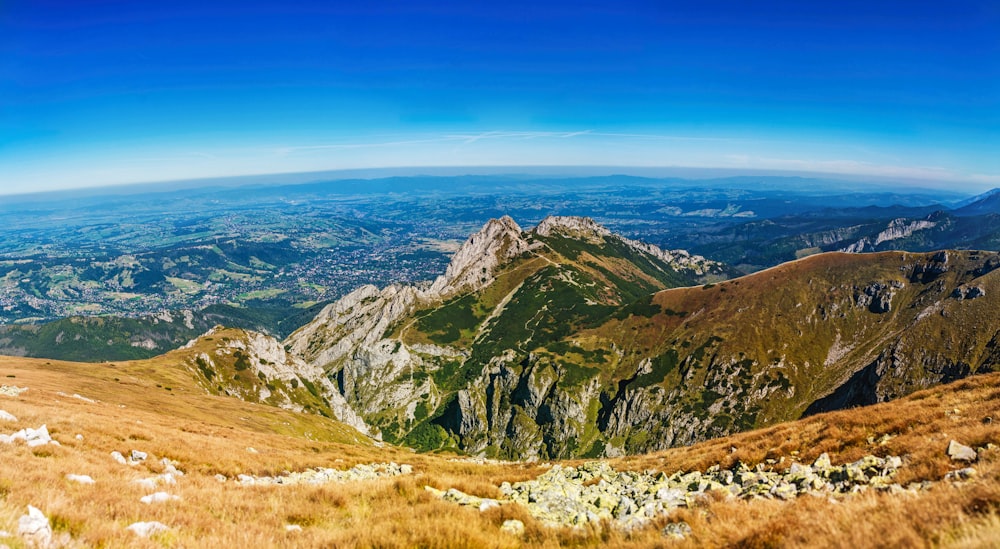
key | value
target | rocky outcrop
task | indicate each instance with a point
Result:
(896, 230)
(968, 292)
(595, 493)
(588, 230)
(583, 228)
(877, 297)
(325, 475)
(474, 264)
(272, 375)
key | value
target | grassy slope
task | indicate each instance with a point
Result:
(207, 435)
(788, 318)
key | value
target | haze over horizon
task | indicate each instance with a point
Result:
(125, 92)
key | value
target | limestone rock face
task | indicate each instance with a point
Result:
(473, 266)
(588, 230)
(583, 228)
(272, 374)
(897, 229)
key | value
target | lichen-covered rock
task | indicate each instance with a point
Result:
(513, 527)
(11, 390)
(595, 492)
(961, 474)
(677, 530)
(320, 475)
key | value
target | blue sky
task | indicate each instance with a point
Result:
(107, 92)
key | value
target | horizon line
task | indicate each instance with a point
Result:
(691, 173)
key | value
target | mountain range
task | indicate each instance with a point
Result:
(568, 340)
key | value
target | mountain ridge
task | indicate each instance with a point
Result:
(569, 348)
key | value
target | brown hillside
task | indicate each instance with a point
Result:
(157, 407)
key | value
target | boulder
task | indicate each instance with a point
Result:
(158, 497)
(676, 530)
(117, 456)
(960, 452)
(35, 529)
(82, 479)
(11, 390)
(7, 416)
(513, 527)
(961, 474)
(146, 529)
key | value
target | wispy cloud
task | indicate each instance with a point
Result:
(469, 138)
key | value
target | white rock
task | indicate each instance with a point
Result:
(158, 497)
(169, 468)
(117, 456)
(34, 528)
(960, 452)
(37, 437)
(147, 483)
(7, 416)
(146, 529)
(220, 478)
(79, 437)
(82, 479)
(293, 528)
(252, 450)
(488, 504)
(513, 527)
(136, 455)
(11, 390)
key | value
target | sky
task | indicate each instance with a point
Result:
(102, 92)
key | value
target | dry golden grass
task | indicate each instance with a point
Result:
(207, 435)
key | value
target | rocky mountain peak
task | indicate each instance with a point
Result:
(583, 228)
(473, 266)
